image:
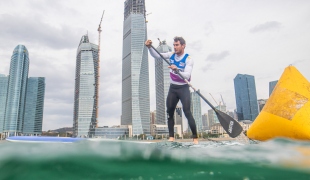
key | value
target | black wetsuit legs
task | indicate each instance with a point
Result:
(176, 93)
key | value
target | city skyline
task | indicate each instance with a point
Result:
(230, 38)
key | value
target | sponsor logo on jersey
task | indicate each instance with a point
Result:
(182, 64)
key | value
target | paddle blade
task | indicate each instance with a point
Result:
(231, 126)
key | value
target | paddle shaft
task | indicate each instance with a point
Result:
(178, 72)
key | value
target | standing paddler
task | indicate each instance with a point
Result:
(179, 89)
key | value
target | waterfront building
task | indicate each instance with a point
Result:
(16, 93)
(162, 130)
(196, 110)
(85, 93)
(115, 132)
(261, 104)
(162, 83)
(135, 72)
(178, 117)
(3, 95)
(33, 118)
(272, 85)
(205, 122)
(212, 115)
(246, 98)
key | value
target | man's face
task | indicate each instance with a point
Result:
(178, 48)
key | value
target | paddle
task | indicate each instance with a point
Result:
(231, 126)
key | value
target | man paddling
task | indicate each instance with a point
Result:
(179, 89)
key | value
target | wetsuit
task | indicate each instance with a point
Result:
(179, 89)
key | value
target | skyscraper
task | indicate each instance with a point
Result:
(162, 83)
(196, 110)
(205, 121)
(246, 98)
(272, 85)
(32, 124)
(135, 72)
(16, 94)
(212, 115)
(178, 117)
(85, 96)
(3, 94)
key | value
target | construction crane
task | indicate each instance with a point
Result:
(223, 100)
(146, 21)
(213, 99)
(98, 70)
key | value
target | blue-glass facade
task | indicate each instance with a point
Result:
(3, 94)
(85, 94)
(246, 98)
(196, 110)
(135, 72)
(162, 83)
(33, 118)
(16, 95)
(272, 85)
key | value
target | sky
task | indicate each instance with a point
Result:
(224, 38)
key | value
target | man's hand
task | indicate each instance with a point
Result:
(148, 43)
(174, 68)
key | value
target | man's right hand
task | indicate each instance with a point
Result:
(148, 43)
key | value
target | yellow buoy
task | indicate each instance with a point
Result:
(287, 111)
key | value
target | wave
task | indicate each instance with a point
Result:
(275, 159)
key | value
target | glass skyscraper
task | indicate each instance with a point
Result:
(212, 115)
(16, 94)
(196, 110)
(162, 83)
(3, 94)
(85, 94)
(246, 98)
(32, 124)
(272, 85)
(135, 72)
(178, 117)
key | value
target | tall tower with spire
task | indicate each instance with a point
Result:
(85, 92)
(135, 72)
(16, 94)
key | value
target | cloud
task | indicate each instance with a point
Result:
(270, 25)
(208, 28)
(196, 45)
(214, 57)
(35, 31)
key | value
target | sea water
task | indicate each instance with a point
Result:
(120, 160)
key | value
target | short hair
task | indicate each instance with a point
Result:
(177, 38)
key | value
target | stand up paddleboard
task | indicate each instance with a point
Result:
(43, 139)
(47, 139)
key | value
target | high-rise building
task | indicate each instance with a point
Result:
(16, 94)
(162, 83)
(196, 110)
(3, 94)
(85, 94)
(178, 117)
(261, 104)
(246, 98)
(212, 115)
(272, 85)
(33, 118)
(135, 72)
(153, 117)
(205, 122)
